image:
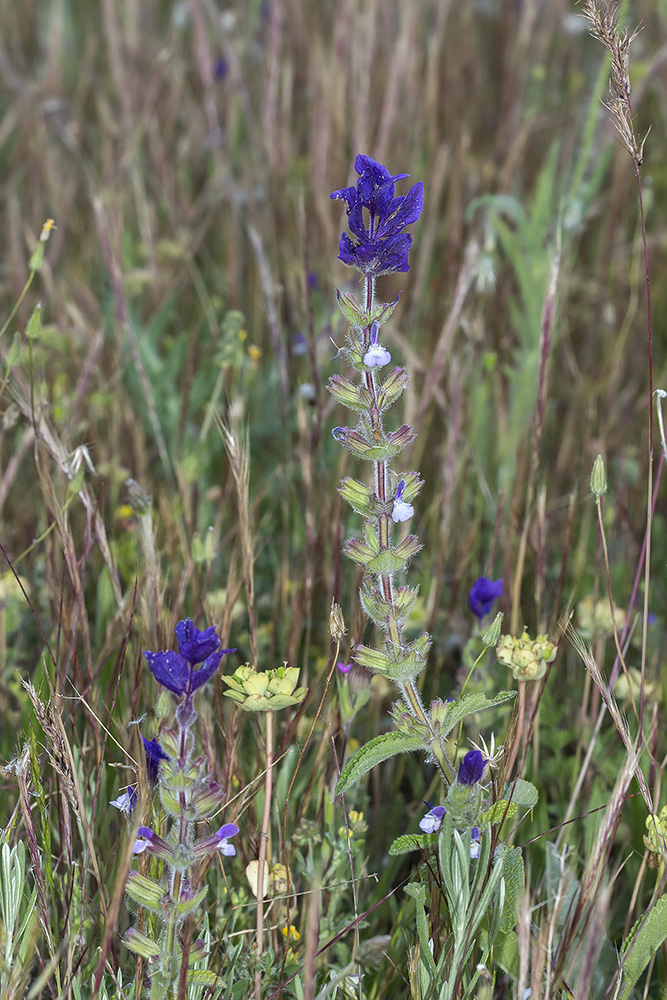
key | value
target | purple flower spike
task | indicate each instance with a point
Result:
(432, 821)
(482, 595)
(378, 246)
(402, 511)
(471, 768)
(176, 671)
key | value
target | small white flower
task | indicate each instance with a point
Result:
(376, 356)
(432, 821)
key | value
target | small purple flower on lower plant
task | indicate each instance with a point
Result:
(475, 836)
(218, 841)
(176, 671)
(376, 356)
(402, 511)
(154, 754)
(482, 595)
(147, 840)
(344, 668)
(376, 244)
(432, 821)
(127, 801)
(471, 768)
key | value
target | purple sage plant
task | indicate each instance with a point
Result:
(188, 797)
(376, 244)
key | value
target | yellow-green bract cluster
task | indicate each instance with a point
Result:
(527, 658)
(264, 690)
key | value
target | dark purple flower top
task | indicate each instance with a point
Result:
(376, 244)
(471, 768)
(176, 671)
(482, 595)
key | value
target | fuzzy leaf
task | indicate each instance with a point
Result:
(412, 842)
(498, 812)
(374, 752)
(648, 934)
(523, 794)
(471, 703)
(514, 876)
(506, 953)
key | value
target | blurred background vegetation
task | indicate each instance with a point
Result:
(186, 152)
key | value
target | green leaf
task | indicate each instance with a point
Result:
(506, 954)
(514, 876)
(374, 752)
(469, 704)
(641, 944)
(522, 793)
(412, 842)
(204, 977)
(498, 812)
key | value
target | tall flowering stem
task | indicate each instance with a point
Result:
(376, 244)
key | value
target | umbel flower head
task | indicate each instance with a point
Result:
(264, 690)
(376, 243)
(197, 659)
(527, 658)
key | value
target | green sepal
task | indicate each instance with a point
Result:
(198, 952)
(176, 778)
(363, 552)
(34, 327)
(412, 842)
(145, 891)
(373, 753)
(392, 388)
(385, 562)
(358, 495)
(37, 258)
(206, 800)
(170, 800)
(354, 397)
(523, 793)
(170, 743)
(188, 905)
(408, 547)
(383, 310)
(411, 661)
(394, 558)
(498, 812)
(141, 944)
(372, 659)
(379, 609)
(351, 309)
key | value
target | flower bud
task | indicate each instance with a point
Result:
(336, 622)
(598, 478)
(492, 635)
